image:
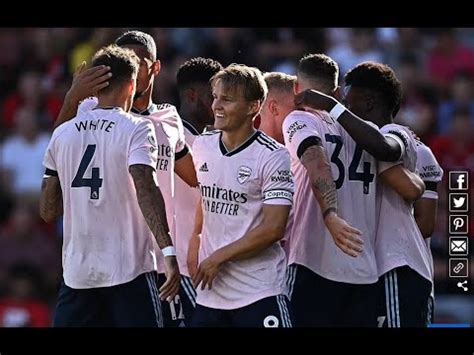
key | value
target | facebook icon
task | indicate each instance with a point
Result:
(458, 180)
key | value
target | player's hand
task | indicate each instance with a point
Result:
(86, 82)
(207, 272)
(193, 254)
(173, 279)
(315, 100)
(346, 237)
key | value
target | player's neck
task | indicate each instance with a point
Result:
(188, 115)
(233, 139)
(143, 102)
(111, 101)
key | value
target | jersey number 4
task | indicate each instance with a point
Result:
(365, 176)
(94, 182)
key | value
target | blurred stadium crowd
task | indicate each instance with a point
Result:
(435, 66)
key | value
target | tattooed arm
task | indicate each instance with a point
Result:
(315, 161)
(152, 206)
(151, 203)
(51, 199)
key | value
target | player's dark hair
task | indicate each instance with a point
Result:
(319, 68)
(380, 80)
(197, 70)
(141, 39)
(123, 63)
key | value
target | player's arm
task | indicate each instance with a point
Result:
(406, 183)
(431, 173)
(85, 83)
(51, 198)
(366, 136)
(152, 205)
(425, 215)
(142, 159)
(271, 230)
(313, 157)
(184, 167)
(195, 241)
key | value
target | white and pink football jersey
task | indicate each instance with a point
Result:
(186, 201)
(399, 241)
(354, 171)
(171, 146)
(234, 187)
(428, 168)
(106, 239)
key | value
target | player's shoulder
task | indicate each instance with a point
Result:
(424, 152)
(189, 129)
(207, 138)
(298, 115)
(267, 143)
(210, 133)
(62, 130)
(402, 132)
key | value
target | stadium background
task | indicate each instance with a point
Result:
(436, 67)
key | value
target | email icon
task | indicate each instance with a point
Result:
(458, 246)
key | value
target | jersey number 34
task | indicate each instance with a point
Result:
(365, 176)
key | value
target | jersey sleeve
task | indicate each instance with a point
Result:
(402, 137)
(49, 161)
(143, 146)
(300, 132)
(181, 147)
(278, 187)
(429, 170)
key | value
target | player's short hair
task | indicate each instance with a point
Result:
(248, 79)
(277, 81)
(123, 63)
(319, 68)
(380, 80)
(139, 38)
(197, 70)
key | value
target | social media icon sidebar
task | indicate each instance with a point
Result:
(459, 226)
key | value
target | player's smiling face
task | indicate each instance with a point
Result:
(230, 107)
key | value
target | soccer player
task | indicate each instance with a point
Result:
(403, 261)
(173, 153)
(425, 210)
(332, 268)
(100, 168)
(247, 191)
(278, 104)
(431, 173)
(196, 100)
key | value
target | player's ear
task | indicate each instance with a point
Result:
(296, 87)
(156, 67)
(337, 93)
(272, 107)
(370, 103)
(254, 107)
(191, 93)
(131, 86)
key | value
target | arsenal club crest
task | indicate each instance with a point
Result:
(243, 174)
